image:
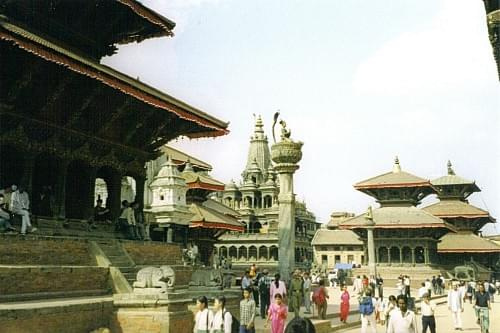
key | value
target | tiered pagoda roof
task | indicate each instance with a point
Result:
(92, 27)
(200, 180)
(78, 108)
(466, 242)
(453, 206)
(396, 187)
(208, 218)
(397, 218)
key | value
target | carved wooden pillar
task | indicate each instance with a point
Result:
(60, 190)
(27, 179)
(88, 193)
(114, 183)
(139, 190)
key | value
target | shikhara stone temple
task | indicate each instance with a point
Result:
(77, 134)
(256, 201)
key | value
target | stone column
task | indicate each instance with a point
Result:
(413, 256)
(286, 154)
(400, 256)
(170, 233)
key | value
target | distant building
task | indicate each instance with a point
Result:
(332, 246)
(256, 201)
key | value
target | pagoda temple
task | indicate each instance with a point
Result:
(256, 201)
(466, 244)
(403, 233)
(66, 119)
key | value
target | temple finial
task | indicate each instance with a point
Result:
(397, 166)
(450, 169)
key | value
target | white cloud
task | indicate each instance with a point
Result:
(449, 53)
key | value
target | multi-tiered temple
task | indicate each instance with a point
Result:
(466, 244)
(256, 200)
(403, 233)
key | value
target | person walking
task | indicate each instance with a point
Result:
(278, 287)
(247, 312)
(203, 318)
(391, 306)
(427, 308)
(344, 305)
(320, 297)
(367, 311)
(483, 305)
(222, 319)
(296, 292)
(380, 287)
(402, 320)
(277, 314)
(456, 306)
(264, 292)
(307, 293)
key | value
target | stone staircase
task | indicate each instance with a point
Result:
(119, 258)
(390, 274)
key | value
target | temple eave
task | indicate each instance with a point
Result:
(56, 54)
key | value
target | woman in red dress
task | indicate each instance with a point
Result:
(344, 305)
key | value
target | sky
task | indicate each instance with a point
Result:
(358, 82)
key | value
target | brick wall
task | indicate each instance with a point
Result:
(37, 250)
(25, 280)
(154, 254)
(59, 318)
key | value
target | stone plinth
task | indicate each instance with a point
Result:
(286, 154)
(160, 313)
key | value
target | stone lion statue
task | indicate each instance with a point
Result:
(162, 277)
(206, 277)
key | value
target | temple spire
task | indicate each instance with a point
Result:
(397, 167)
(259, 129)
(451, 172)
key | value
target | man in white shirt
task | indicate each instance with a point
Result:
(402, 321)
(456, 306)
(20, 204)
(422, 290)
(428, 285)
(427, 307)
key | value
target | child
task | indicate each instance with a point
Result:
(222, 319)
(277, 314)
(204, 316)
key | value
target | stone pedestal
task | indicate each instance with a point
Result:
(286, 154)
(160, 313)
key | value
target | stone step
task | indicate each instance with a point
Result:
(128, 270)
(120, 263)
